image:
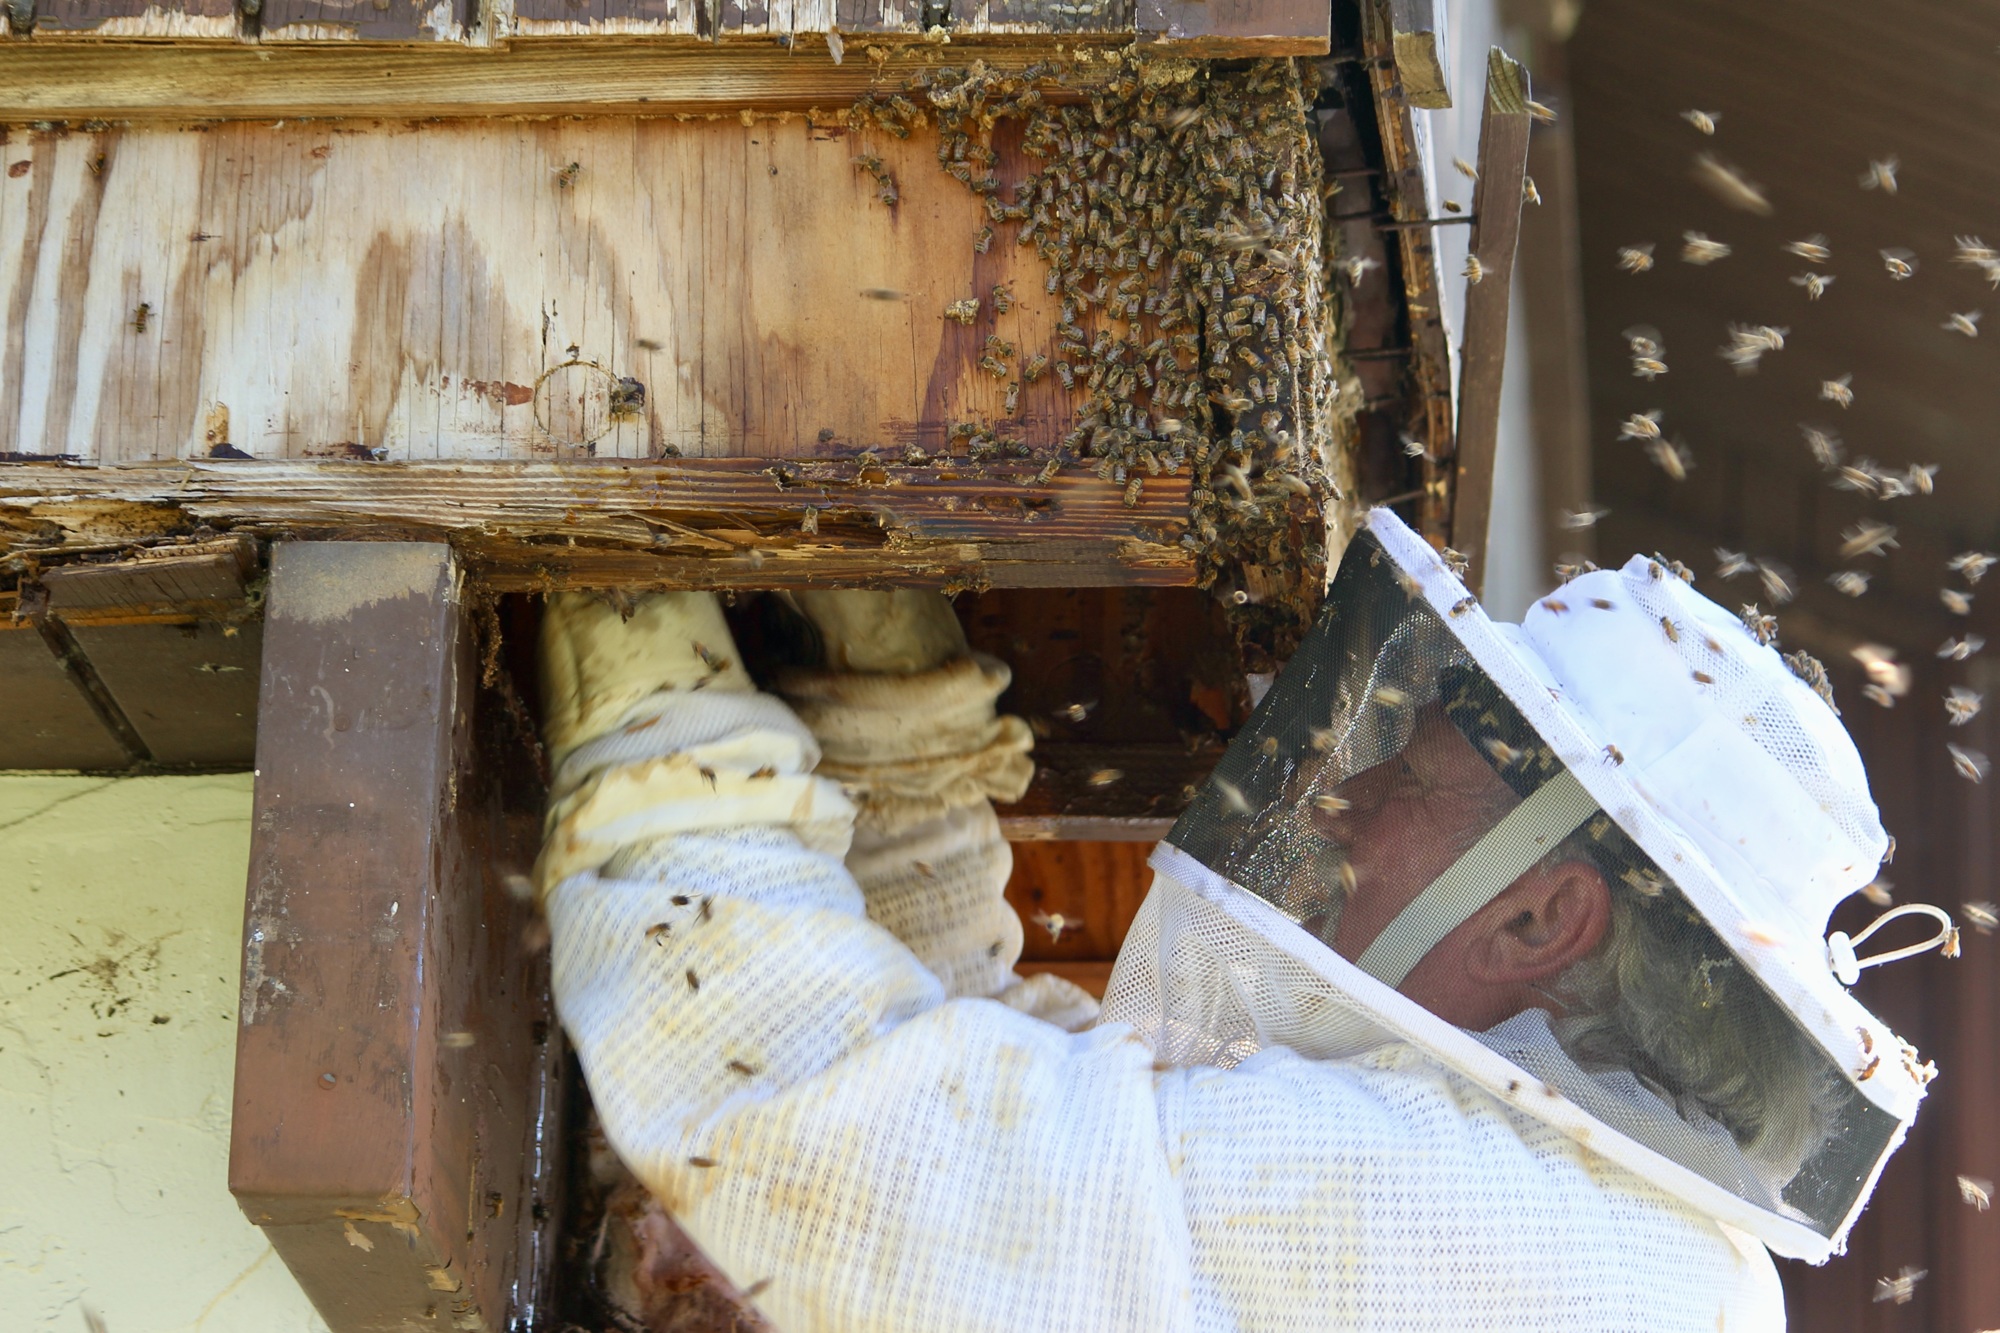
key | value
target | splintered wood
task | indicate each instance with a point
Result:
(498, 291)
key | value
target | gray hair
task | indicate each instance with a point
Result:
(1662, 997)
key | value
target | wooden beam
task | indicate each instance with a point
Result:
(1105, 793)
(180, 20)
(1404, 181)
(393, 1064)
(715, 523)
(1418, 33)
(1496, 232)
(1222, 28)
(46, 720)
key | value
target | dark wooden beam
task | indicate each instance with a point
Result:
(46, 721)
(1496, 233)
(394, 1070)
(715, 523)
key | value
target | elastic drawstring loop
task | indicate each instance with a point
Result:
(1847, 965)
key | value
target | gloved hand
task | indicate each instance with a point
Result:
(904, 714)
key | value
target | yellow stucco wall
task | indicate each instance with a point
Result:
(119, 946)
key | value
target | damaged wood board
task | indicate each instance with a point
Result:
(675, 522)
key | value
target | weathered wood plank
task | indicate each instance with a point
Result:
(500, 290)
(1418, 32)
(389, 1072)
(178, 584)
(375, 21)
(190, 691)
(179, 20)
(628, 18)
(715, 523)
(1221, 28)
(1496, 232)
(678, 75)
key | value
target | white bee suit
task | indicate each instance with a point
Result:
(864, 1151)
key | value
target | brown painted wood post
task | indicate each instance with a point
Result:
(395, 1050)
(1496, 233)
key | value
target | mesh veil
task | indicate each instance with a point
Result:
(1385, 758)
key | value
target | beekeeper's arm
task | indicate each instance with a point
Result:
(862, 1151)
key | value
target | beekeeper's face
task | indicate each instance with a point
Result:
(1406, 821)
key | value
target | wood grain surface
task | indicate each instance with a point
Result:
(485, 291)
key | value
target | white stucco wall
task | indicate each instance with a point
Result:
(123, 905)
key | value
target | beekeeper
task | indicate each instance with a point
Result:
(1482, 986)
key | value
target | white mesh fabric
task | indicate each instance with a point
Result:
(1717, 729)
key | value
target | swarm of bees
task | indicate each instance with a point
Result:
(1178, 210)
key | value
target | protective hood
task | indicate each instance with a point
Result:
(1586, 862)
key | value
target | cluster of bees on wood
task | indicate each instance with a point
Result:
(1177, 212)
(1888, 679)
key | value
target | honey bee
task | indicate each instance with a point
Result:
(1762, 628)
(1902, 1288)
(1463, 605)
(1048, 472)
(1849, 582)
(657, 933)
(809, 522)
(1537, 111)
(694, 982)
(1356, 267)
(738, 1067)
(1105, 777)
(1697, 248)
(1969, 764)
(1388, 696)
(1332, 804)
(982, 240)
(1577, 520)
(567, 176)
(1957, 650)
(1867, 1072)
(1878, 891)
(1056, 924)
(1066, 373)
(1729, 185)
(1825, 445)
(1866, 538)
(1648, 368)
(1956, 602)
(1814, 283)
(712, 660)
(1976, 1192)
(1529, 194)
(1921, 477)
(1232, 796)
(1474, 272)
(1813, 249)
(1645, 883)
(1984, 917)
(1641, 426)
(1673, 458)
(1704, 121)
(1503, 754)
(1881, 175)
(140, 315)
(1672, 631)
(1900, 263)
(1614, 754)
(1635, 258)
(1972, 564)
(703, 1163)
(1003, 299)
(1967, 323)
(1837, 391)
(963, 311)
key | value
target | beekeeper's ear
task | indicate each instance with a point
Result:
(1544, 921)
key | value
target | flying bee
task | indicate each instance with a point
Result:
(1643, 340)
(1357, 266)
(1901, 263)
(1921, 478)
(1056, 924)
(1969, 764)
(1648, 368)
(1984, 917)
(1881, 176)
(1635, 258)
(1814, 283)
(1867, 538)
(1967, 323)
(1529, 194)
(1972, 564)
(1962, 705)
(1956, 602)
(1776, 581)
(1576, 520)
(1671, 457)
(1388, 696)
(1837, 391)
(1546, 115)
(1465, 168)
(1504, 755)
(1878, 892)
(1975, 252)
(1977, 1192)
(1876, 694)
(1473, 271)
(1641, 426)
(140, 315)
(1731, 563)
(1849, 582)
(1729, 185)
(1957, 650)
(1105, 777)
(1763, 628)
(1232, 796)
(1813, 249)
(1704, 121)
(657, 933)
(1697, 248)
